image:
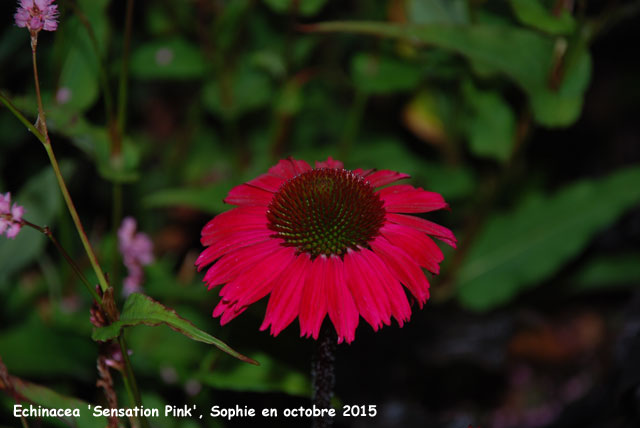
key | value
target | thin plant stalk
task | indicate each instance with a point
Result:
(129, 376)
(323, 374)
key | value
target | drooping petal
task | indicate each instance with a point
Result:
(240, 218)
(367, 290)
(384, 177)
(340, 304)
(284, 303)
(426, 226)
(418, 245)
(407, 199)
(289, 168)
(256, 282)
(268, 182)
(403, 267)
(235, 262)
(248, 195)
(391, 286)
(330, 163)
(228, 243)
(313, 305)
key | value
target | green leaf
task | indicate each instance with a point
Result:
(382, 75)
(438, 11)
(608, 272)
(523, 55)
(208, 199)
(168, 59)
(248, 90)
(141, 309)
(519, 249)
(305, 8)
(534, 14)
(270, 376)
(491, 124)
(80, 70)
(48, 398)
(23, 348)
(41, 200)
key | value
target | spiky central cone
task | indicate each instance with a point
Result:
(326, 211)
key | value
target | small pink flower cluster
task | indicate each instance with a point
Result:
(37, 15)
(137, 251)
(10, 217)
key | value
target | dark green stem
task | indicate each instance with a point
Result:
(353, 124)
(323, 373)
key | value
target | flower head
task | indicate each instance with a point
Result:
(323, 241)
(10, 217)
(37, 15)
(137, 251)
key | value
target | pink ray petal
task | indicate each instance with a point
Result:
(403, 267)
(426, 226)
(248, 195)
(341, 306)
(313, 305)
(407, 199)
(330, 163)
(384, 177)
(268, 182)
(418, 245)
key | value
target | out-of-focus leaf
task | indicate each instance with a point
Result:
(270, 376)
(451, 182)
(33, 349)
(169, 59)
(534, 14)
(50, 399)
(305, 8)
(79, 75)
(518, 250)
(607, 272)
(490, 125)
(248, 90)
(523, 55)
(382, 75)
(41, 200)
(208, 199)
(141, 309)
(561, 107)
(425, 115)
(438, 11)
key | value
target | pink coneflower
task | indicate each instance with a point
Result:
(10, 217)
(137, 251)
(37, 15)
(323, 241)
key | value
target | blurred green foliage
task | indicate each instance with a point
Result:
(452, 92)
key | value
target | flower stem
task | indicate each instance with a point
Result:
(46, 231)
(323, 374)
(41, 122)
(130, 380)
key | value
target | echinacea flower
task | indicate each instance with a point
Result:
(10, 217)
(323, 241)
(37, 15)
(137, 251)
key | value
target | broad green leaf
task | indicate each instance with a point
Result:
(25, 346)
(168, 59)
(535, 14)
(41, 199)
(490, 124)
(519, 249)
(608, 272)
(208, 199)
(523, 55)
(247, 90)
(382, 75)
(80, 70)
(141, 309)
(50, 399)
(438, 11)
(305, 8)
(270, 376)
